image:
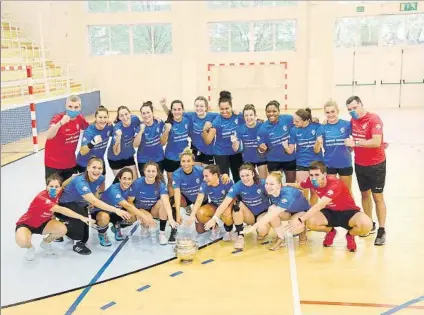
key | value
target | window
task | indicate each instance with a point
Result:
(415, 29)
(392, 30)
(100, 6)
(252, 36)
(109, 40)
(368, 28)
(345, 32)
(152, 39)
(247, 4)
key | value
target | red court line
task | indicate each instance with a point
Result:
(357, 304)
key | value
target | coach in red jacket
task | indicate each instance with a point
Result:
(62, 139)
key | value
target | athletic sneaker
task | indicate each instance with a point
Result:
(277, 244)
(144, 232)
(30, 253)
(104, 239)
(214, 234)
(381, 237)
(118, 233)
(351, 244)
(162, 238)
(47, 247)
(173, 236)
(370, 232)
(239, 244)
(329, 238)
(226, 237)
(81, 249)
(58, 240)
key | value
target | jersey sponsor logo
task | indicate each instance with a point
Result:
(236, 121)
(118, 196)
(48, 202)
(284, 200)
(85, 188)
(259, 191)
(330, 192)
(285, 128)
(197, 180)
(313, 132)
(342, 129)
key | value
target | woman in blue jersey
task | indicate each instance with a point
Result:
(251, 204)
(175, 136)
(117, 195)
(247, 139)
(272, 134)
(303, 140)
(80, 192)
(148, 139)
(221, 129)
(149, 193)
(214, 189)
(331, 137)
(121, 150)
(287, 203)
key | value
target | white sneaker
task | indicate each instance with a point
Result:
(163, 240)
(239, 244)
(47, 247)
(227, 237)
(30, 254)
(214, 234)
(144, 232)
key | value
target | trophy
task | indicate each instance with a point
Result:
(185, 249)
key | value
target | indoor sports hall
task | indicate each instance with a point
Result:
(300, 53)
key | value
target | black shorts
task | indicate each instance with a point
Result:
(257, 215)
(77, 230)
(64, 173)
(201, 157)
(345, 171)
(141, 167)
(188, 202)
(37, 230)
(119, 164)
(114, 218)
(258, 164)
(371, 177)
(82, 169)
(302, 168)
(339, 218)
(170, 165)
(281, 166)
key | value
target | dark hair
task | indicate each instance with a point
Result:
(318, 165)
(170, 118)
(273, 103)
(159, 178)
(225, 97)
(99, 109)
(249, 107)
(147, 104)
(53, 177)
(121, 172)
(117, 113)
(250, 167)
(353, 98)
(213, 169)
(202, 98)
(92, 160)
(304, 114)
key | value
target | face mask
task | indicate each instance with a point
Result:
(314, 182)
(52, 192)
(72, 113)
(354, 114)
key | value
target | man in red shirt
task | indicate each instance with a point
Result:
(62, 140)
(335, 207)
(370, 162)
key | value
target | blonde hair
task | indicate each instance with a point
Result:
(187, 151)
(331, 103)
(279, 176)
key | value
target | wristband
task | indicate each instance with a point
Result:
(90, 145)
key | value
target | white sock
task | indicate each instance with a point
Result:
(280, 231)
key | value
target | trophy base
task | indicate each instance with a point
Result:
(186, 261)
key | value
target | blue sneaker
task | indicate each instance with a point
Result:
(104, 239)
(118, 233)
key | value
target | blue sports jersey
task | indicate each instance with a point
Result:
(216, 194)
(291, 199)
(113, 196)
(189, 184)
(150, 148)
(273, 135)
(254, 197)
(336, 154)
(146, 195)
(196, 131)
(225, 127)
(305, 139)
(178, 139)
(127, 139)
(99, 149)
(249, 141)
(78, 187)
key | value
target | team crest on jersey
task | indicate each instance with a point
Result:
(342, 129)
(108, 133)
(330, 192)
(258, 191)
(48, 202)
(197, 180)
(284, 200)
(236, 121)
(186, 127)
(285, 127)
(118, 196)
(313, 132)
(157, 129)
(84, 139)
(85, 188)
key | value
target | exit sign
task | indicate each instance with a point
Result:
(360, 9)
(409, 6)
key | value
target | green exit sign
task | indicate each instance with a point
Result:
(409, 6)
(360, 9)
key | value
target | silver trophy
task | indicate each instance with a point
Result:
(185, 249)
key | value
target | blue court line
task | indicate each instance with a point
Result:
(143, 288)
(404, 305)
(175, 274)
(207, 261)
(236, 251)
(74, 305)
(105, 307)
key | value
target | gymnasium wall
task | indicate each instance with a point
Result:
(314, 68)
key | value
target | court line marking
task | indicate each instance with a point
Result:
(207, 261)
(177, 273)
(21, 158)
(358, 304)
(404, 305)
(144, 288)
(105, 307)
(82, 295)
(293, 275)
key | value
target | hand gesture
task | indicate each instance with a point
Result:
(263, 148)
(173, 224)
(192, 218)
(168, 127)
(142, 128)
(210, 224)
(65, 119)
(148, 220)
(162, 101)
(320, 140)
(118, 133)
(233, 138)
(88, 221)
(286, 144)
(124, 214)
(207, 126)
(97, 139)
(225, 179)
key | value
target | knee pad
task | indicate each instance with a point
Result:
(236, 206)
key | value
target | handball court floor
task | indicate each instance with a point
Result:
(374, 280)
